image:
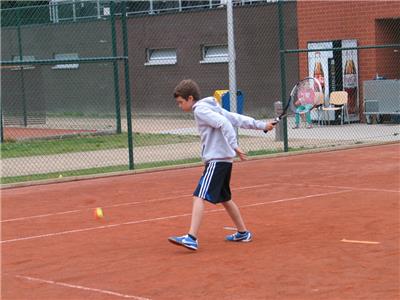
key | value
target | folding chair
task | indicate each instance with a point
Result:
(337, 101)
(318, 104)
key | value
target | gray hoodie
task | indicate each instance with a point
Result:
(216, 127)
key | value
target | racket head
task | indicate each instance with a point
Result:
(307, 93)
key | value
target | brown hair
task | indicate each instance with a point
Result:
(187, 88)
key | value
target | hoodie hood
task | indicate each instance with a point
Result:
(209, 101)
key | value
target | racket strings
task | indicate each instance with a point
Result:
(308, 93)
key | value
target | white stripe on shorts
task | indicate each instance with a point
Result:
(207, 179)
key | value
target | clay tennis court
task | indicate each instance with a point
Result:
(326, 226)
(20, 133)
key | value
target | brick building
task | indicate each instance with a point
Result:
(367, 22)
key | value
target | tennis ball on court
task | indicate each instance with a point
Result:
(98, 213)
(60, 176)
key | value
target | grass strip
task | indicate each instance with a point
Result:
(92, 171)
(12, 149)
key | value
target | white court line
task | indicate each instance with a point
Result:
(189, 195)
(121, 204)
(92, 228)
(85, 209)
(296, 198)
(343, 187)
(163, 218)
(117, 205)
(79, 287)
(360, 242)
(42, 216)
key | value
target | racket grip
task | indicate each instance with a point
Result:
(276, 121)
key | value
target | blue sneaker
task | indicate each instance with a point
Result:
(240, 237)
(185, 241)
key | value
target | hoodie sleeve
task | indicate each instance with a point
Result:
(242, 121)
(217, 120)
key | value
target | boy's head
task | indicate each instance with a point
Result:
(187, 88)
(186, 93)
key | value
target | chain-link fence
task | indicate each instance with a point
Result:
(79, 98)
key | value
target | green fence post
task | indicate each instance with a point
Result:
(24, 112)
(115, 66)
(127, 85)
(1, 122)
(283, 71)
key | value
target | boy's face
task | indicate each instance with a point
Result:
(185, 105)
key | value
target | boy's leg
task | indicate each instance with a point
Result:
(235, 215)
(197, 216)
(190, 240)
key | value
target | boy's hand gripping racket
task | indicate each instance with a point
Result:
(307, 92)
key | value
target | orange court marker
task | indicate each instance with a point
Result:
(360, 242)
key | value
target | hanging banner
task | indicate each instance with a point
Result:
(350, 75)
(318, 64)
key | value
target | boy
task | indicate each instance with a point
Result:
(219, 147)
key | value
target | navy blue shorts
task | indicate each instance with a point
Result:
(214, 184)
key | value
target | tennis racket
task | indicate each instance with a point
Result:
(307, 92)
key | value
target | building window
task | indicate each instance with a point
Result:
(16, 58)
(66, 66)
(215, 54)
(155, 57)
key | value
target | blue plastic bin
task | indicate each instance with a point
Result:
(226, 103)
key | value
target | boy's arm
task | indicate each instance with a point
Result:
(247, 122)
(217, 120)
(242, 155)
